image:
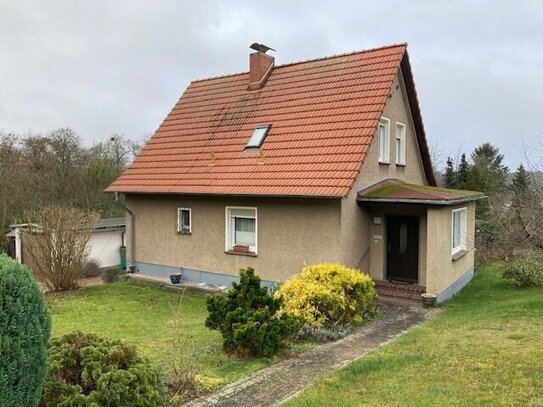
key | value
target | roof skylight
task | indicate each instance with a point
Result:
(259, 134)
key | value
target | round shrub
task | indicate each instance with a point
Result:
(113, 275)
(526, 272)
(24, 331)
(326, 295)
(92, 269)
(247, 318)
(87, 370)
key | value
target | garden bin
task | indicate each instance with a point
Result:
(122, 252)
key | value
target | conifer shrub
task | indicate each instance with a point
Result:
(87, 370)
(24, 331)
(247, 317)
(327, 295)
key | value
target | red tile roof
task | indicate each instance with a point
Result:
(323, 114)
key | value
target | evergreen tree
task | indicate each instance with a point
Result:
(522, 192)
(462, 174)
(487, 174)
(449, 177)
(526, 210)
(25, 327)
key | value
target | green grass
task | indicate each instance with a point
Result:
(145, 315)
(484, 349)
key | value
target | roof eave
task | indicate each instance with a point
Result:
(228, 195)
(414, 106)
(423, 202)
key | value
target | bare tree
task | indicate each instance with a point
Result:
(437, 154)
(57, 244)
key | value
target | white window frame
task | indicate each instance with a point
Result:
(384, 145)
(229, 234)
(400, 143)
(463, 213)
(180, 219)
(258, 136)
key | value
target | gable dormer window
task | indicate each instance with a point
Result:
(400, 144)
(383, 137)
(259, 134)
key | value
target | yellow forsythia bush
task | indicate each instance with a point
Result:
(325, 295)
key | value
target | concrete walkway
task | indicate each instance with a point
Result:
(275, 384)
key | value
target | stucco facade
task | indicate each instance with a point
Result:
(292, 232)
(438, 269)
(355, 223)
(378, 240)
(443, 270)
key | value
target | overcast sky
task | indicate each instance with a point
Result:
(104, 67)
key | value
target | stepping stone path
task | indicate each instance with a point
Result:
(275, 384)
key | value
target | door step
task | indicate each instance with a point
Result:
(388, 290)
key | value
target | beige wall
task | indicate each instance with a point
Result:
(290, 233)
(378, 259)
(437, 269)
(396, 110)
(355, 222)
(442, 269)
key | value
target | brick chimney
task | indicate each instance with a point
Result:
(260, 66)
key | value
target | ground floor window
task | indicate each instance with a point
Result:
(459, 226)
(184, 221)
(241, 228)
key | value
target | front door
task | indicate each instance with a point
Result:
(403, 248)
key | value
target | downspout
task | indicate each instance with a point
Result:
(132, 228)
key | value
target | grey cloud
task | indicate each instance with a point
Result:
(106, 67)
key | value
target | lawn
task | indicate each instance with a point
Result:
(164, 324)
(484, 349)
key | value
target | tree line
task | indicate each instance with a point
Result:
(57, 169)
(511, 219)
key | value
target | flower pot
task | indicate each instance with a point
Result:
(175, 278)
(429, 300)
(241, 249)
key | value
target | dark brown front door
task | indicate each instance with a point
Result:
(402, 248)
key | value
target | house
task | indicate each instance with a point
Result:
(103, 247)
(316, 161)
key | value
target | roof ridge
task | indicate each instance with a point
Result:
(401, 44)
(229, 75)
(404, 44)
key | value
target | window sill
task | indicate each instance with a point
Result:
(400, 165)
(383, 163)
(250, 254)
(459, 254)
(184, 233)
